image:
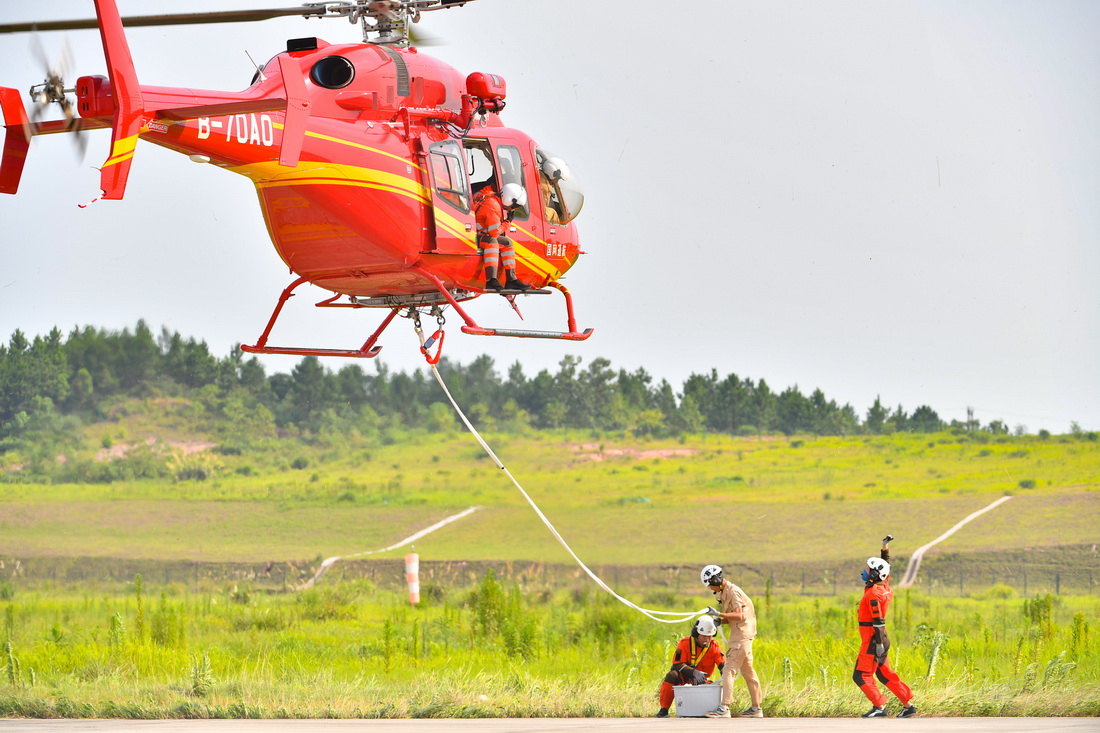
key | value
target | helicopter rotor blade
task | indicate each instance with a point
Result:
(220, 16)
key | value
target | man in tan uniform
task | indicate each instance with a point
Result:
(735, 610)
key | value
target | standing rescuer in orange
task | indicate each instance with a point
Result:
(736, 611)
(874, 641)
(693, 662)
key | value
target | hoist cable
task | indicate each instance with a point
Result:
(675, 617)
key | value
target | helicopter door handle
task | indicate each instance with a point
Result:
(469, 227)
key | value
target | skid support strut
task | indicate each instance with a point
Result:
(367, 350)
(471, 326)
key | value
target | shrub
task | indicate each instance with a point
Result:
(1000, 591)
(202, 676)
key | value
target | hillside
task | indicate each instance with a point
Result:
(815, 503)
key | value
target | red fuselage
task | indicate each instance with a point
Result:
(382, 187)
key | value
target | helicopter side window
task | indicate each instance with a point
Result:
(450, 179)
(511, 171)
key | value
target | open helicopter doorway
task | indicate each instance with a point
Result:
(462, 168)
(496, 164)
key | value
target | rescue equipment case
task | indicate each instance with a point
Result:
(695, 701)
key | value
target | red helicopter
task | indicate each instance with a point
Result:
(366, 158)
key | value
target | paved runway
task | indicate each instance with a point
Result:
(559, 725)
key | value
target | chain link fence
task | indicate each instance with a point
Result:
(1075, 573)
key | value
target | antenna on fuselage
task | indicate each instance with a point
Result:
(259, 71)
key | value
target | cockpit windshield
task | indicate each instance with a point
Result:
(562, 191)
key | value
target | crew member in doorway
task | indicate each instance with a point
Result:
(736, 610)
(875, 643)
(693, 662)
(493, 212)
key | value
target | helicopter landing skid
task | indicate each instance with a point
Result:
(367, 351)
(516, 291)
(471, 326)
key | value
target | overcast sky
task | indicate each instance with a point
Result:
(875, 198)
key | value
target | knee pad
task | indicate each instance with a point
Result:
(673, 677)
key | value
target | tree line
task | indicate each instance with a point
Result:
(80, 376)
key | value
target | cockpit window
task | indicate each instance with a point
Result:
(562, 191)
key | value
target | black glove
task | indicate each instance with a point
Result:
(887, 539)
(700, 677)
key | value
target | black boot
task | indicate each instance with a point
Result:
(514, 283)
(493, 284)
(662, 713)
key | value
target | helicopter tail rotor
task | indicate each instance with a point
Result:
(53, 91)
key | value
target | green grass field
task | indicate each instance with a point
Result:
(784, 516)
(617, 501)
(351, 650)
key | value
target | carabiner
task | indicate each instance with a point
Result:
(433, 360)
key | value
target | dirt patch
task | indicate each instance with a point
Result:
(118, 450)
(593, 452)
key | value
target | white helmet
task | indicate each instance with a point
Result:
(711, 575)
(555, 169)
(513, 194)
(705, 626)
(879, 568)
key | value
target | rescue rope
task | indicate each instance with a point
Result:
(674, 617)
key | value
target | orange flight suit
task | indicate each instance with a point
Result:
(688, 653)
(496, 248)
(872, 631)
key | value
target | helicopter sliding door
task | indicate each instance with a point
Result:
(454, 220)
(496, 163)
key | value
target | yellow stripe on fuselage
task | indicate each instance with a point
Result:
(360, 146)
(268, 174)
(534, 261)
